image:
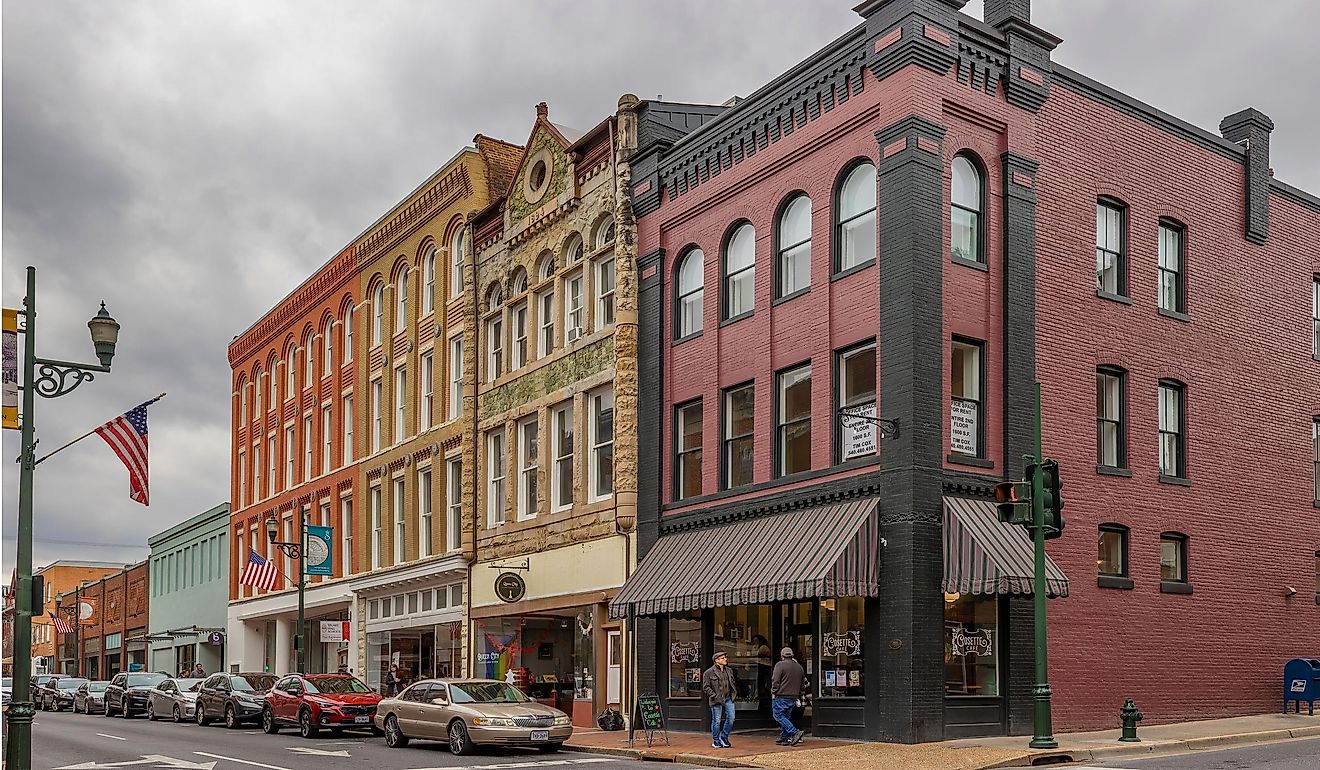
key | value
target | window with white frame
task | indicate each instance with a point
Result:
(605, 233)
(691, 293)
(793, 421)
(288, 538)
(291, 372)
(328, 348)
(573, 251)
(346, 534)
(376, 396)
(545, 319)
(600, 414)
(401, 301)
(348, 333)
(494, 347)
(243, 416)
(256, 472)
(456, 264)
(562, 482)
(518, 351)
(346, 414)
(274, 385)
(424, 501)
(428, 390)
(309, 364)
(454, 504)
(966, 210)
(794, 246)
(377, 314)
(574, 313)
(604, 293)
(740, 272)
(288, 458)
(376, 542)
(854, 219)
(495, 497)
(688, 431)
(242, 477)
(966, 418)
(400, 404)
(856, 393)
(307, 447)
(400, 520)
(428, 279)
(327, 425)
(1173, 437)
(739, 435)
(1172, 291)
(528, 450)
(1110, 248)
(256, 394)
(1315, 456)
(1315, 317)
(455, 377)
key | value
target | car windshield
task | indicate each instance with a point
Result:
(252, 682)
(335, 684)
(69, 684)
(486, 692)
(144, 680)
(97, 686)
(189, 685)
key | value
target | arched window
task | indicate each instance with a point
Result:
(605, 233)
(327, 352)
(290, 367)
(573, 250)
(794, 242)
(855, 228)
(401, 301)
(494, 296)
(377, 313)
(309, 368)
(348, 332)
(519, 282)
(548, 266)
(965, 211)
(274, 380)
(428, 278)
(256, 392)
(690, 279)
(740, 271)
(456, 264)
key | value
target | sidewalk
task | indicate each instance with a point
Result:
(757, 749)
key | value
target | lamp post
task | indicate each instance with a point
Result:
(48, 378)
(297, 551)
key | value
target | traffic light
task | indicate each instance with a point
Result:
(38, 595)
(1052, 485)
(1013, 499)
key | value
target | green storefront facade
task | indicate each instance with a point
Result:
(190, 593)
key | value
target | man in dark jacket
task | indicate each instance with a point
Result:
(787, 683)
(720, 687)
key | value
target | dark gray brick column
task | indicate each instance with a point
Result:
(905, 643)
(650, 369)
(1251, 128)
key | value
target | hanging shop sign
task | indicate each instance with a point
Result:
(510, 587)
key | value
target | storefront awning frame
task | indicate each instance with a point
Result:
(983, 555)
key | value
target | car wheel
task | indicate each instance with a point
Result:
(231, 717)
(124, 710)
(460, 743)
(202, 721)
(306, 727)
(550, 748)
(105, 710)
(178, 713)
(268, 724)
(394, 737)
(151, 711)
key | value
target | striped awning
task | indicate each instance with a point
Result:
(815, 552)
(983, 555)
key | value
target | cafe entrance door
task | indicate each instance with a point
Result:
(799, 633)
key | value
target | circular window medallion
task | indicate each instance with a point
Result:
(537, 180)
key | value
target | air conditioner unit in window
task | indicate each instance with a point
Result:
(575, 333)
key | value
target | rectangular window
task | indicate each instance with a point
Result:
(966, 426)
(793, 421)
(1110, 251)
(1315, 453)
(1112, 557)
(400, 520)
(601, 471)
(270, 466)
(842, 632)
(307, 447)
(518, 353)
(1110, 431)
(495, 498)
(428, 390)
(243, 416)
(1172, 437)
(376, 555)
(1315, 320)
(563, 457)
(494, 347)
(739, 439)
(528, 449)
(454, 505)
(1172, 291)
(685, 659)
(856, 373)
(274, 386)
(346, 535)
(288, 538)
(309, 365)
(1173, 558)
(346, 415)
(971, 645)
(574, 313)
(400, 404)
(256, 472)
(545, 319)
(242, 477)
(327, 427)
(604, 293)
(256, 390)
(288, 458)
(376, 396)
(687, 450)
(455, 378)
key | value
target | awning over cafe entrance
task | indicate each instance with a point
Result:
(983, 555)
(815, 552)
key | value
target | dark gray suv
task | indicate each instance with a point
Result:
(127, 693)
(235, 698)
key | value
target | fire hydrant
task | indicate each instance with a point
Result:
(1130, 715)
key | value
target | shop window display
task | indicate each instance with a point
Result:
(685, 663)
(550, 657)
(971, 645)
(842, 633)
(743, 632)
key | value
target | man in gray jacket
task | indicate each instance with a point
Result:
(720, 687)
(787, 683)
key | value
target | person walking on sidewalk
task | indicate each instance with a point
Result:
(786, 685)
(720, 687)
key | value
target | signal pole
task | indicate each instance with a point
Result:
(1042, 722)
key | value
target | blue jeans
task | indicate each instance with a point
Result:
(782, 708)
(721, 722)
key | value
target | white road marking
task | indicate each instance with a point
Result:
(147, 759)
(116, 737)
(533, 763)
(318, 752)
(240, 761)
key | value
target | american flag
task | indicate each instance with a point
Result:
(127, 435)
(61, 624)
(259, 573)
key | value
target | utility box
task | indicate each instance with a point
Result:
(1301, 682)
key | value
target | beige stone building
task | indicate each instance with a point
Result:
(554, 325)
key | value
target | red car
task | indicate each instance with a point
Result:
(316, 701)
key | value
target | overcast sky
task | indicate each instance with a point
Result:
(191, 162)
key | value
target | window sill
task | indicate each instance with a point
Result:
(983, 267)
(681, 340)
(1175, 315)
(1114, 581)
(1119, 298)
(737, 318)
(975, 462)
(1175, 587)
(1177, 481)
(854, 269)
(1109, 470)
(794, 295)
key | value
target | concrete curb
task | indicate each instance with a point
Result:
(658, 756)
(1158, 747)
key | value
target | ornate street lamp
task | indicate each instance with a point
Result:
(48, 378)
(297, 551)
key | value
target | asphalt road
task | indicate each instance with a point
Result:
(81, 742)
(1302, 754)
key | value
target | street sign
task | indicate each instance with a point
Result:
(320, 551)
(216, 638)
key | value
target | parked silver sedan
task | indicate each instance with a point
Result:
(173, 699)
(471, 712)
(90, 697)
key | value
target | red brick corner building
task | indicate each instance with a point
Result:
(917, 223)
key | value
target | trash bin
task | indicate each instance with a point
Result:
(1301, 682)
(564, 699)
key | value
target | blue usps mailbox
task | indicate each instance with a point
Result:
(1301, 682)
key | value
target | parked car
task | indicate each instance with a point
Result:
(90, 697)
(37, 688)
(469, 713)
(127, 692)
(57, 695)
(235, 698)
(314, 701)
(173, 698)
(6, 689)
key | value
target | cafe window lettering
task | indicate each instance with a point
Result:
(842, 630)
(685, 663)
(971, 645)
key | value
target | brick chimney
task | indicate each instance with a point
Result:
(999, 11)
(1251, 128)
(1029, 47)
(542, 110)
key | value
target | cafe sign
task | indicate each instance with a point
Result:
(979, 643)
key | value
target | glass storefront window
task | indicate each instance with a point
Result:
(971, 645)
(378, 659)
(743, 632)
(842, 631)
(449, 649)
(544, 655)
(685, 663)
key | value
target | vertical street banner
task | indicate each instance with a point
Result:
(319, 559)
(10, 369)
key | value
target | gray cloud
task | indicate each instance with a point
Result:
(191, 162)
